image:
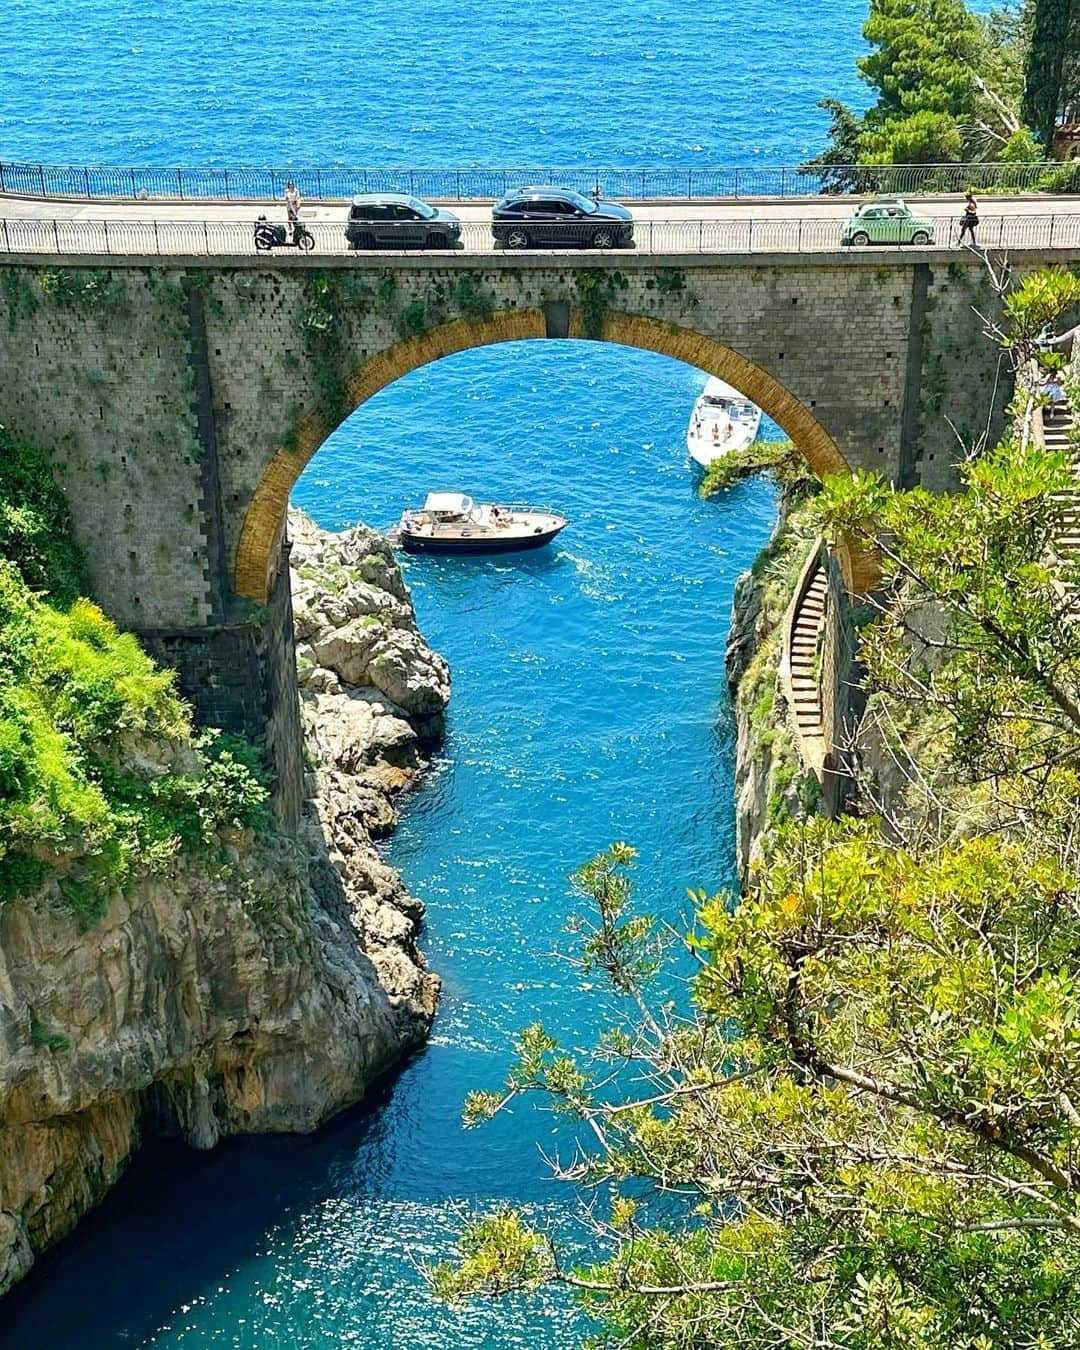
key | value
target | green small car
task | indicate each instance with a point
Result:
(888, 220)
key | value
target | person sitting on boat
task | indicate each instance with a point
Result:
(716, 431)
(407, 522)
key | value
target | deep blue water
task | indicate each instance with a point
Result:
(589, 699)
(390, 82)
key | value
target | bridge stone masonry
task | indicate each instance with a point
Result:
(179, 399)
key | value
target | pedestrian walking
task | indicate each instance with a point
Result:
(969, 218)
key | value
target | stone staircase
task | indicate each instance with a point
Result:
(807, 621)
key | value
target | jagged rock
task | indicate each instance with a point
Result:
(354, 618)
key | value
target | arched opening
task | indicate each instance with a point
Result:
(257, 549)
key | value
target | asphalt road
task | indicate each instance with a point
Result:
(793, 225)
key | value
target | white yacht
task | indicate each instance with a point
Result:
(722, 421)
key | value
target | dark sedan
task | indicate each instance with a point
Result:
(396, 220)
(547, 216)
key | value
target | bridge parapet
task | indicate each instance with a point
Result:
(1049, 235)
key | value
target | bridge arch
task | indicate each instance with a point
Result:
(264, 518)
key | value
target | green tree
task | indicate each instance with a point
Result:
(863, 1129)
(947, 87)
(1054, 39)
(836, 166)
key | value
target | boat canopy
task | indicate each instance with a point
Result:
(715, 388)
(455, 503)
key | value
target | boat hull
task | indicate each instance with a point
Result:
(415, 543)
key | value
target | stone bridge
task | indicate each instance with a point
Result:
(179, 399)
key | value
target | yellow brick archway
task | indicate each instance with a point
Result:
(257, 550)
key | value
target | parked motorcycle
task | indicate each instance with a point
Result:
(269, 235)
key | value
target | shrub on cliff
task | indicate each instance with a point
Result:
(35, 531)
(72, 688)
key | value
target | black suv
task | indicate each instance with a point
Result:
(560, 216)
(396, 220)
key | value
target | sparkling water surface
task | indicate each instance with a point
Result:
(397, 82)
(589, 701)
(588, 705)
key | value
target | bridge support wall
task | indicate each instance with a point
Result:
(241, 677)
(173, 394)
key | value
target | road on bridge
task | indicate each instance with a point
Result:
(794, 225)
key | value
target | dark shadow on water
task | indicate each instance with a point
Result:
(176, 1222)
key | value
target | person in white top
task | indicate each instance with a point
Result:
(292, 202)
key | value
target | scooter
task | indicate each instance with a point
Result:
(268, 236)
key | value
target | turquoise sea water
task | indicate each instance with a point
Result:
(588, 706)
(589, 700)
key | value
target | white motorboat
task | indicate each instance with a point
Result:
(451, 522)
(722, 421)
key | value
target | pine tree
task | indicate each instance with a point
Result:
(1053, 40)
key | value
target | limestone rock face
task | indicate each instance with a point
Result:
(258, 986)
(753, 760)
(354, 616)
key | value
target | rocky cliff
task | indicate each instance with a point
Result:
(770, 783)
(259, 984)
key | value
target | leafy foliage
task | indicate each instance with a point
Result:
(778, 458)
(1051, 73)
(35, 533)
(863, 1129)
(73, 691)
(947, 87)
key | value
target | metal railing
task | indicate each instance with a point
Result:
(748, 235)
(161, 183)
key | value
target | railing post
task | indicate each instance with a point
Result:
(56, 234)
(86, 182)
(735, 192)
(318, 183)
(108, 246)
(206, 238)
(7, 241)
(1050, 241)
(2, 189)
(750, 236)
(1001, 230)
(131, 174)
(227, 194)
(180, 183)
(689, 184)
(783, 182)
(701, 236)
(798, 243)
(157, 240)
(41, 178)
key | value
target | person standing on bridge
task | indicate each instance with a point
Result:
(292, 203)
(969, 219)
